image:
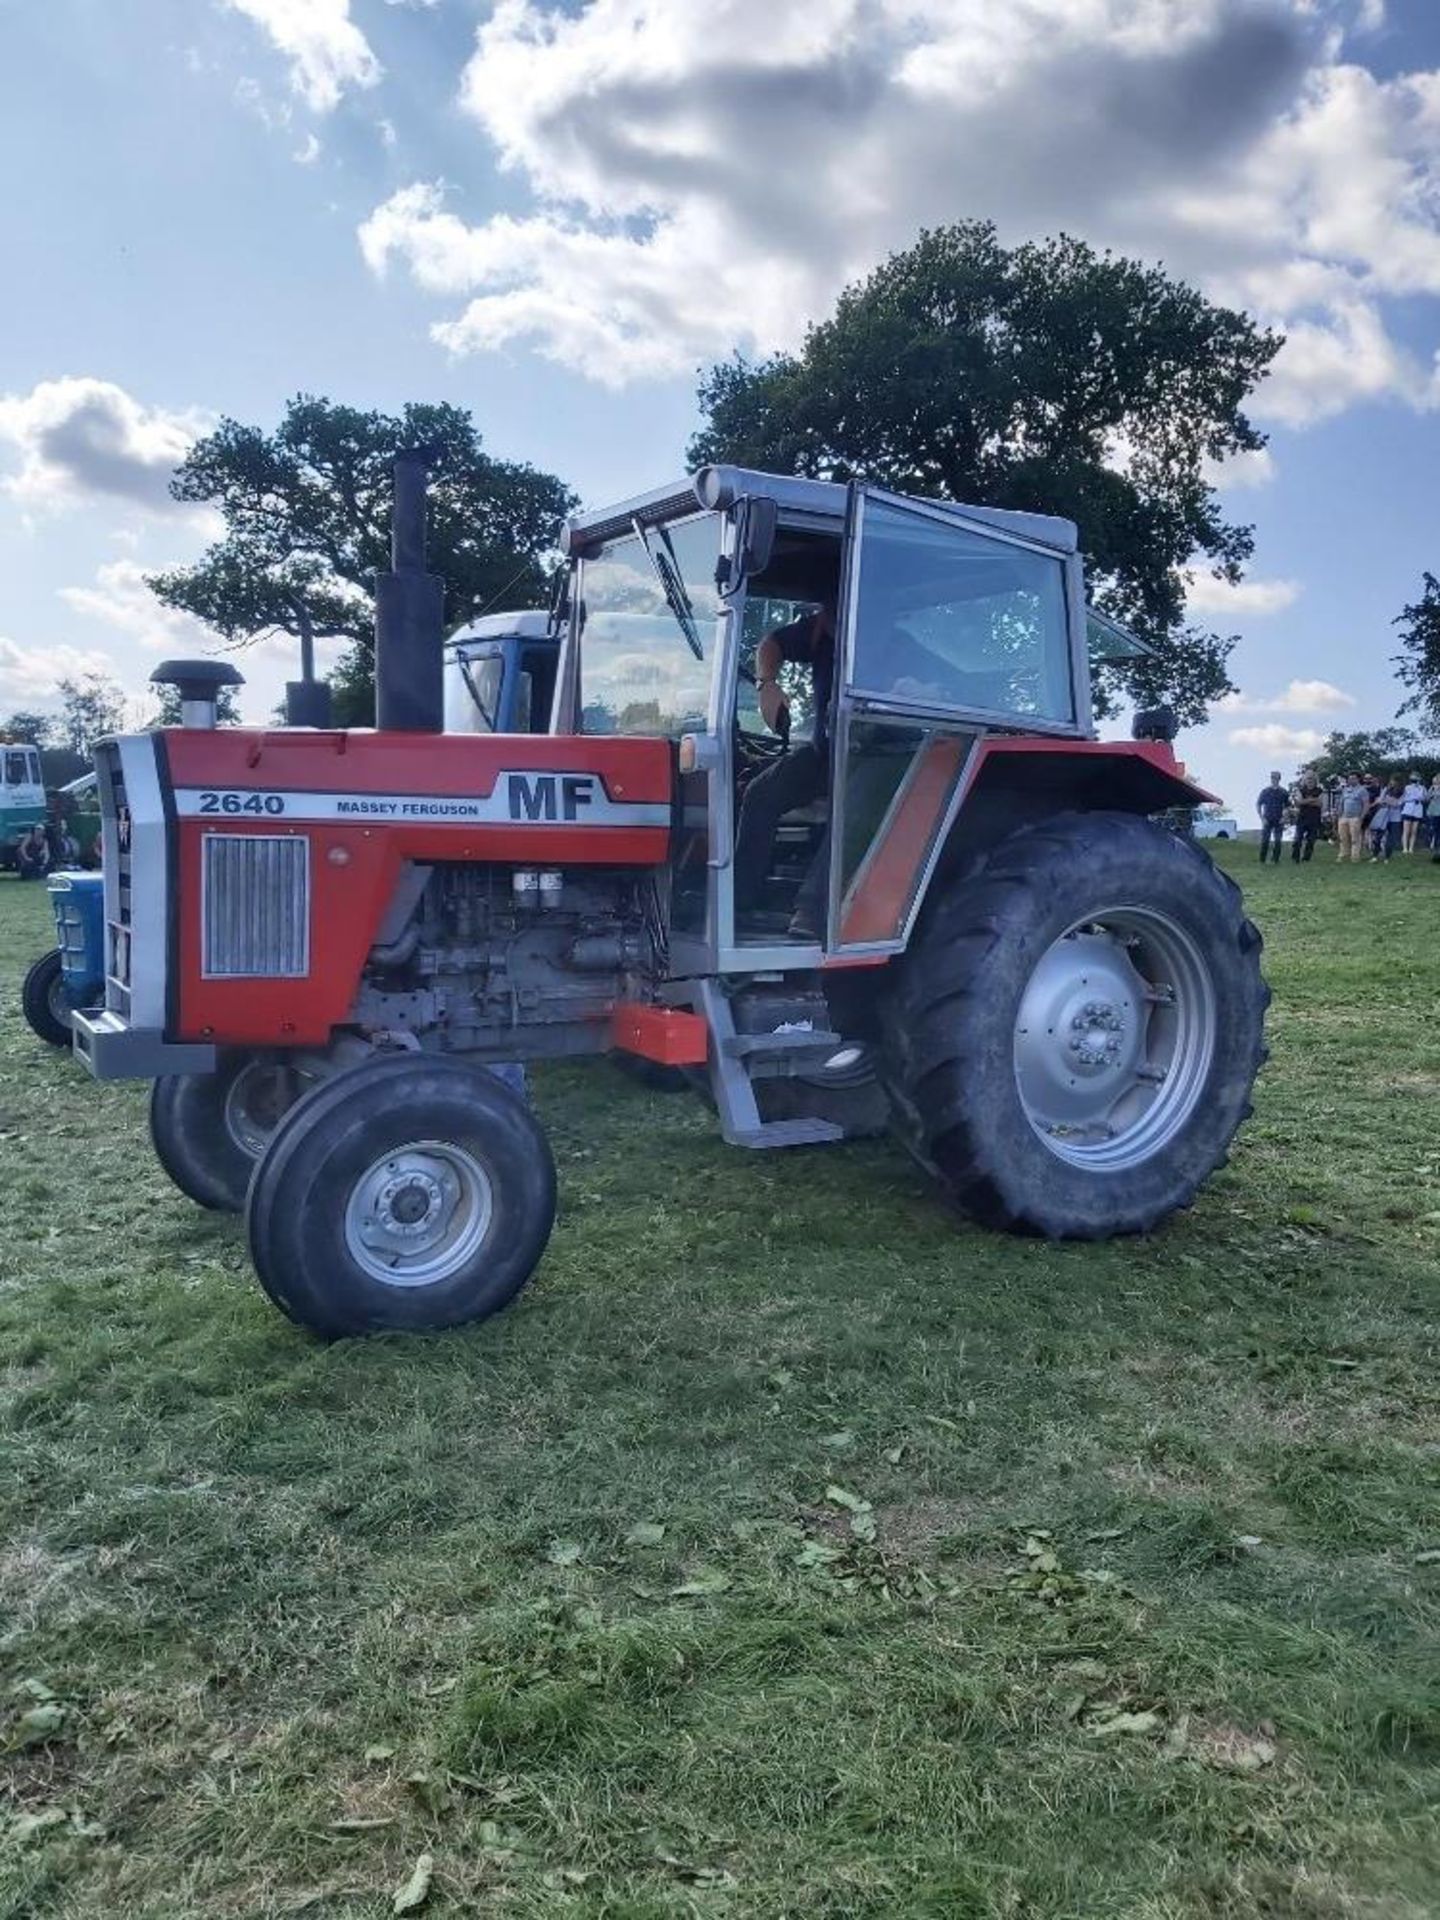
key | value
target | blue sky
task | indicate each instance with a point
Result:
(555, 215)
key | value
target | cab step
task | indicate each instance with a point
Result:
(798, 1043)
(785, 1133)
(732, 1058)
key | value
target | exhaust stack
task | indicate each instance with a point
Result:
(409, 613)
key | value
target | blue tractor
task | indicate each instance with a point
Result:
(72, 974)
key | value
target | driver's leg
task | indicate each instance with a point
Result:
(794, 780)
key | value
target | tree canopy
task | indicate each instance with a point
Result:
(168, 712)
(91, 708)
(1418, 663)
(1385, 751)
(38, 728)
(1046, 377)
(307, 526)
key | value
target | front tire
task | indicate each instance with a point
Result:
(1078, 1028)
(210, 1129)
(406, 1195)
(44, 1001)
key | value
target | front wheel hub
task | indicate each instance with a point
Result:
(1114, 1037)
(418, 1215)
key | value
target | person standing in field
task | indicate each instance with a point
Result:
(1432, 816)
(1385, 820)
(1412, 810)
(1271, 807)
(1309, 803)
(1351, 804)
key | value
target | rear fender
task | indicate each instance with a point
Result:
(1015, 783)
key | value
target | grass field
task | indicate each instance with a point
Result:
(784, 1551)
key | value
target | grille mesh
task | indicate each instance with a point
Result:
(256, 906)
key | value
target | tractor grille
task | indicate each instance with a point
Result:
(115, 806)
(255, 906)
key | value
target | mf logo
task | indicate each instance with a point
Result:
(550, 796)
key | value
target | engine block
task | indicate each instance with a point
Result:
(514, 962)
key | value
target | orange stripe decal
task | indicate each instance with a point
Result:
(881, 892)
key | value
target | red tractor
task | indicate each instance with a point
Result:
(318, 940)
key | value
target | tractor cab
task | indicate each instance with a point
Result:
(909, 631)
(22, 795)
(500, 674)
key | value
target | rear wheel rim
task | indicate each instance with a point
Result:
(418, 1215)
(1114, 1038)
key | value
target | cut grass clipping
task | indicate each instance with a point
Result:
(785, 1551)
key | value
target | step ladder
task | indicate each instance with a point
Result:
(738, 1060)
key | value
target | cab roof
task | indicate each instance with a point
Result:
(817, 501)
(532, 624)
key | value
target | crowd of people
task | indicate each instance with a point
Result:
(1365, 815)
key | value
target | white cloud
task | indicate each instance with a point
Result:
(1277, 739)
(327, 52)
(1301, 696)
(29, 674)
(1242, 470)
(308, 151)
(1329, 364)
(79, 436)
(707, 177)
(121, 599)
(1206, 594)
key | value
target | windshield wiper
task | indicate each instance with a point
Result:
(469, 679)
(667, 572)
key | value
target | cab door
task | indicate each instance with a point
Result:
(952, 625)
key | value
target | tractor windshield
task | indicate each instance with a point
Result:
(648, 607)
(21, 767)
(473, 685)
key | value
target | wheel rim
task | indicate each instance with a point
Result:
(58, 1002)
(1114, 1038)
(418, 1215)
(257, 1100)
(849, 1066)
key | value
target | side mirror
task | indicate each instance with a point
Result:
(754, 543)
(559, 615)
(757, 534)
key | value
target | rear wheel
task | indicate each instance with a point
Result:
(209, 1129)
(408, 1194)
(45, 1003)
(1078, 1029)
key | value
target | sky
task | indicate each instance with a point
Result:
(557, 214)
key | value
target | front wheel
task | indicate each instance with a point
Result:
(1078, 1029)
(209, 1129)
(408, 1194)
(45, 1003)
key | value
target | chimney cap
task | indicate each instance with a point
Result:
(197, 679)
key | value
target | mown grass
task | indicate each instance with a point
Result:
(785, 1551)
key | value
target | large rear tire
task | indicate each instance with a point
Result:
(210, 1129)
(44, 1001)
(405, 1195)
(1077, 1028)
